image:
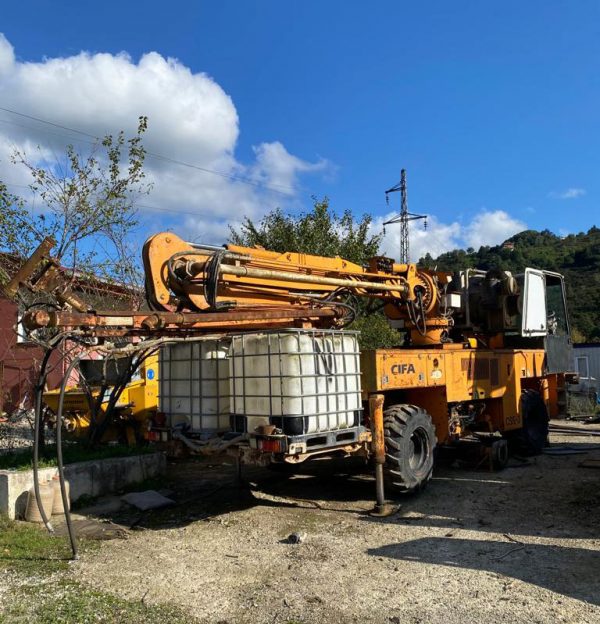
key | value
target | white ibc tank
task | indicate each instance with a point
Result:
(194, 384)
(301, 381)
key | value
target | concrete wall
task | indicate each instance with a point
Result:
(91, 478)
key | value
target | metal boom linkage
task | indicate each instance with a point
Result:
(199, 289)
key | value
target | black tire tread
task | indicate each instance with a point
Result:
(397, 421)
(525, 441)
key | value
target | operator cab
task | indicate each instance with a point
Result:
(527, 310)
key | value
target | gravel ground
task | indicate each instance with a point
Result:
(520, 545)
(16, 432)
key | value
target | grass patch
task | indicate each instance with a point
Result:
(30, 549)
(72, 452)
(68, 602)
(34, 566)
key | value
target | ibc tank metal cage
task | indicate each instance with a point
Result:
(302, 381)
(194, 384)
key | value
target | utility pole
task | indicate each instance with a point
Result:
(404, 217)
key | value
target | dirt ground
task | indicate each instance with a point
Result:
(521, 545)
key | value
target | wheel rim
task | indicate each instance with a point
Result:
(419, 449)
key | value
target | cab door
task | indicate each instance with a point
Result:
(545, 315)
(559, 348)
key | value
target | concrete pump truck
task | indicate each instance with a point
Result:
(485, 354)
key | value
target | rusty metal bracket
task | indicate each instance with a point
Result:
(23, 276)
(41, 273)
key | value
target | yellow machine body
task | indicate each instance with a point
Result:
(474, 340)
(434, 379)
(136, 406)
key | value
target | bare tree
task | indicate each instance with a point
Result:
(87, 203)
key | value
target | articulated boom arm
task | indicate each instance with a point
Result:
(201, 278)
(206, 288)
(183, 276)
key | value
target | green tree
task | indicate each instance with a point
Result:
(320, 232)
(86, 203)
(324, 233)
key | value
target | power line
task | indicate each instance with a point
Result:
(136, 204)
(43, 130)
(277, 188)
(48, 123)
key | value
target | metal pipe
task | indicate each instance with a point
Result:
(37, 319)
(243, 271)
(25, 272)
(206, 247)
(376, 416)
(159, 320)
(379, 488)
(381, 508)
(378, 444)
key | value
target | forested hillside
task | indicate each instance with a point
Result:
(576, 256)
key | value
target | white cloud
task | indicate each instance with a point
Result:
(570, 193)
(7, 55)
(190, 118)
(491, 228)
(278, 168)
(487, 228)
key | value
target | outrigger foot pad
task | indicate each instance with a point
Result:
(384, 510)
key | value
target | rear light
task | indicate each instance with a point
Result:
(153, 436)
(270, 445)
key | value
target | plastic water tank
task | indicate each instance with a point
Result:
(194, 384)
(302, 381)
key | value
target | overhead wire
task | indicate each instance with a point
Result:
(136, 204)
(277, 188)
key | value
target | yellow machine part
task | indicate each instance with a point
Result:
(458, 367)
(434, 378)
(136, 405)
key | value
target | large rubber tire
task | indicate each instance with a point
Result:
(533, 437)
(500, 454)
(409, 448)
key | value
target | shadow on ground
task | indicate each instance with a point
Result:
(567, 571)
(549, 496)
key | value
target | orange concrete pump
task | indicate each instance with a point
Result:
(484, 354)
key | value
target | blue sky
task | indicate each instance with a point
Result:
(491, 107)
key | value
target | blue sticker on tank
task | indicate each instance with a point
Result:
(150, 373)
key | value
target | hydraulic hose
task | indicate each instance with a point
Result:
(59, 455)
(37, 423)
(209, 447)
